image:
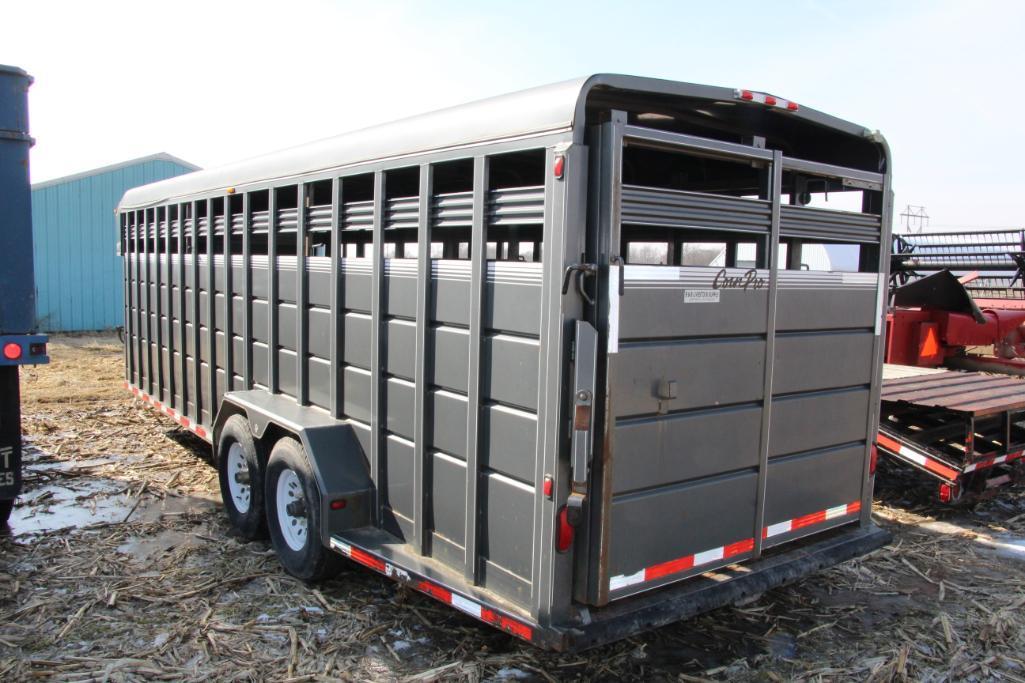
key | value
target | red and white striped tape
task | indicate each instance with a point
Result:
(184, 421)
(990, 462)
(811, 520)
(921, 459)
(708, 557)
(475, 609)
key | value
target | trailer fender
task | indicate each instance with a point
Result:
(338, 462)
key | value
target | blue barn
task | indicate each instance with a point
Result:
(79, 279)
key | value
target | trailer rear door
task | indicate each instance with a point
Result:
(739, 391)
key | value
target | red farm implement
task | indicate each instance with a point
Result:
(958, 301)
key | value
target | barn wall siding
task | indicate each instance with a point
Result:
(79, 283)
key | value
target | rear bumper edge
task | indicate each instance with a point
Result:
(784, 565)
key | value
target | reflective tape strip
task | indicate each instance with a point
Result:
(475, 609)
(624, 580)
(838, 511)
(469, 606)
(706, 557)
(922, 460)
(435, 591)
(887, 443)
(709, 556)
(198, 429)
(990, 462)
(682, 564)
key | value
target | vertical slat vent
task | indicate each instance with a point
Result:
(358, 215)
(452, 210)
(402, 212)
(679, 209)
(318, 218)
(813, 223)
(517, 206)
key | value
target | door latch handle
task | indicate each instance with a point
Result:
(667, 389)
(666, 392)
(581, 270)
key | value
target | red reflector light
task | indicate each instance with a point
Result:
(559, 167)
(548, 488)
(873, 459)
(946, 493)
(767, 100)
(12, 351)
(563, 531)
(339, 504)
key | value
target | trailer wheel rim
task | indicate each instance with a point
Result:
(293, 526)
(238, 468)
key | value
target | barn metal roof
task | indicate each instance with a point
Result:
(159, 156)
(538, 111)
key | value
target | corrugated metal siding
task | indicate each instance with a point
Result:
(78, 272)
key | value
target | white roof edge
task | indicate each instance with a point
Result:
(533, 112)
(159, 156)
(549, 108)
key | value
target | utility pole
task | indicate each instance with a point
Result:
(914, 219)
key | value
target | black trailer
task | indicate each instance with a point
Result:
(18, 343)
(555, 358)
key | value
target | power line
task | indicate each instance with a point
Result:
(915, 218)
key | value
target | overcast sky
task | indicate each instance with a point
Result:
(214, 82)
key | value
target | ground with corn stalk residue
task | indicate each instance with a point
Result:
(120, 565)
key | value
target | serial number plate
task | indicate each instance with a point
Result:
(701, 296)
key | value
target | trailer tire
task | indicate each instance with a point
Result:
(240, 469)
(6, 506)
(293, 514)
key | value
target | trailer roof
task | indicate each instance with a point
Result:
(553, 108)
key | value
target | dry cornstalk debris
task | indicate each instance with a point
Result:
(121, 567)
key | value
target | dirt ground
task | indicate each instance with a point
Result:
(119, 565)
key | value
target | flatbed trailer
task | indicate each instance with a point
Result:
(966, 430)
(554, 358)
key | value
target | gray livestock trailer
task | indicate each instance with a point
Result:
(579, 361)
